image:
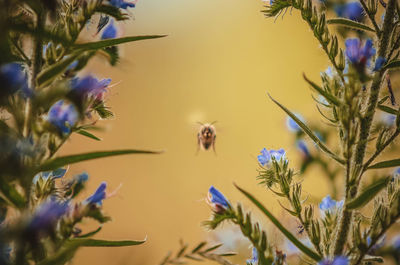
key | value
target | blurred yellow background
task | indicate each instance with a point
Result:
(218, 62)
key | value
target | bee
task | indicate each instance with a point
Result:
(206, 136)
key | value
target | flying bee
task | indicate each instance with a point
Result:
(206, 136)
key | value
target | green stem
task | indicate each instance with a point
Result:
(372, 18)
(364, 132)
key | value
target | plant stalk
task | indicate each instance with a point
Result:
(364, 132)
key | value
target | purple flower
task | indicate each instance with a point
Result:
(396, 242)
(63, 116)
(90, 87)
(380, 61)
(292, 125)
(110, 32)
(47, 215)
(254, 257)
(302, 146)
(338, 260)
(358, 55)
(329, 204)
(352, 10)
(99, 195)
(13, 78)
(122, 4)
(217, 200)
(266, 156)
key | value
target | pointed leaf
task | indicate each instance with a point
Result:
(58, 162)
(111, 42)
(368, 193)
(309, 252)
(199, 246)
(11, 194)
(106, 243)
(71, 246)
(393, 64)
(330, 98)
(92, 233)
(88, 134)
(388, 109)
(308, 131)
(212, 248)
(349, 23)
(386, 164)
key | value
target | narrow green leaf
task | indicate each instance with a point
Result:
(212, 248)
(51, 72)
(330, 98)
(386, 164)
(309, 252)
(92, 233)
(58, 162)
(349, 23)
(88, 134)
(393, 64)
(111, 42)
(388, 109)
(368, 193)
(70, 247)
(306, 130)
(199, 246)
(105, 243)
(11, 194)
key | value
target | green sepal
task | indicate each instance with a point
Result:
(309, 252)
(368, 193)
(90, 234)
(330, 98)
(388, 109)
(112, 11)
(88, 134)
(349, 23)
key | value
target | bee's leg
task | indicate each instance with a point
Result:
(213, 144)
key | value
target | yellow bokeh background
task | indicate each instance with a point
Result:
(217, 63)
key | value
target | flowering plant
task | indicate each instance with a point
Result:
(44, 99)
(353, 94)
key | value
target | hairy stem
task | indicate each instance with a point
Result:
(364, 132)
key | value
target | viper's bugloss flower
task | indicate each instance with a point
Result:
(302, 146)
(387, 119)
(63, 116)
(82, 178)
(122, 4)
(13, 78)
(292, 125)
(338, 260)
(217, 200)
(55, 174)
(90, 87)
(357, 55)
(396, 243)
(380, 61)
(254, 257)
(47, 215)
(266, 156)
(99, 195)
(110, 32)
(329, 204)
(352, 10)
